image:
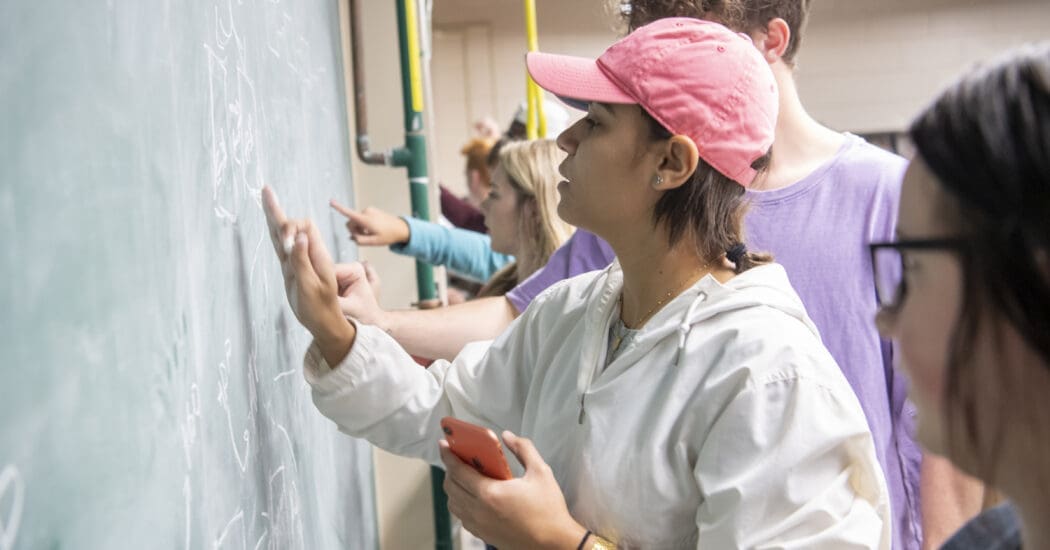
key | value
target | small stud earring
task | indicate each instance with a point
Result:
(658, 180)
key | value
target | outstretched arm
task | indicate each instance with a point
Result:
(434, 333)
(441, 333)
(467, 252)
(372, 226)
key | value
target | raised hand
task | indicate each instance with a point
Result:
(309, 279)
(373, 227)
(357, 292)
(525, 512)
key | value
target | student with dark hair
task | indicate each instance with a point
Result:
(826, 195)
(681, 396)
(971, 312)
(823, 197)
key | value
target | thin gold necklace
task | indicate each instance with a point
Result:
(618, 339)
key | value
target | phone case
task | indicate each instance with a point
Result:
(476, 446)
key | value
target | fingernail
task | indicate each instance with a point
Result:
(288, 243)
(300, 238)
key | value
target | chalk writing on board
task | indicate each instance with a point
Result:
(187, 493)
(257, 254)
(280, 32)
(188, 426)
(234, 115)
(12, 489)
(224, 401)
(233, 527)
(178, 115)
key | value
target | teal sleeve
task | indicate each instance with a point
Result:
(468, 253)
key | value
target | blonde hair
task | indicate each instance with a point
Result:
(532, 169)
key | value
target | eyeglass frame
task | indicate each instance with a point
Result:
(950, 244)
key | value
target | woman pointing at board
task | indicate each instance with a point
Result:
(681, 396)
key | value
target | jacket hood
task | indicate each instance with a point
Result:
(764, 286)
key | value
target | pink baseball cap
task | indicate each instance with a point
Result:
(696, 78)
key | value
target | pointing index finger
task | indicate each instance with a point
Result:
(275, 219)
(348, 212)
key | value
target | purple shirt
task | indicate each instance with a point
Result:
(583, 252)
(819, 229)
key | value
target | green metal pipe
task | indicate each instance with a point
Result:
(413, 156)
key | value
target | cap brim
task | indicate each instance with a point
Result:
(576, 81)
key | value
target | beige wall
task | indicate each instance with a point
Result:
(870, 65)
(479, 67)
(867, 65)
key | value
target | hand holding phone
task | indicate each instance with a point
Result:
(476, 446)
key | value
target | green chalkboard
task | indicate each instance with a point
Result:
(151, 393)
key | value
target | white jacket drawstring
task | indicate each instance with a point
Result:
(686, 326)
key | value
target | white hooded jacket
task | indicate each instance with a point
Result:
(724, 423)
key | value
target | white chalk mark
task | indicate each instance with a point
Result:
(224, 400)
(219, 156)
(223, 33)
(246, 125)
(296, 514)
(234, 111)
(255, 259)
(284, 374)
(284, 506)
(195, 400)
(225, 215)
(221, 539)
(291, 448)
(188, 427)
(187, 492)
(276, 472)
(11, 480)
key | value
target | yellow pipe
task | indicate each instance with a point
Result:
(414, 70)
(535, 121)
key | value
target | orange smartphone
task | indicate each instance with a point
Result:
(476, 446)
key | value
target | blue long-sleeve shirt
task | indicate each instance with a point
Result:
(468, 253)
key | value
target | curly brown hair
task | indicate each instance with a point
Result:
(741, 15)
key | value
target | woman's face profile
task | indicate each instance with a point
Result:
(502, 215)
(1001, 381)
(607, 170)
(926, 316)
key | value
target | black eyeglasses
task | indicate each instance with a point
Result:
(887, 264)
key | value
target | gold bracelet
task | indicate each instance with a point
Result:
(602, 544)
